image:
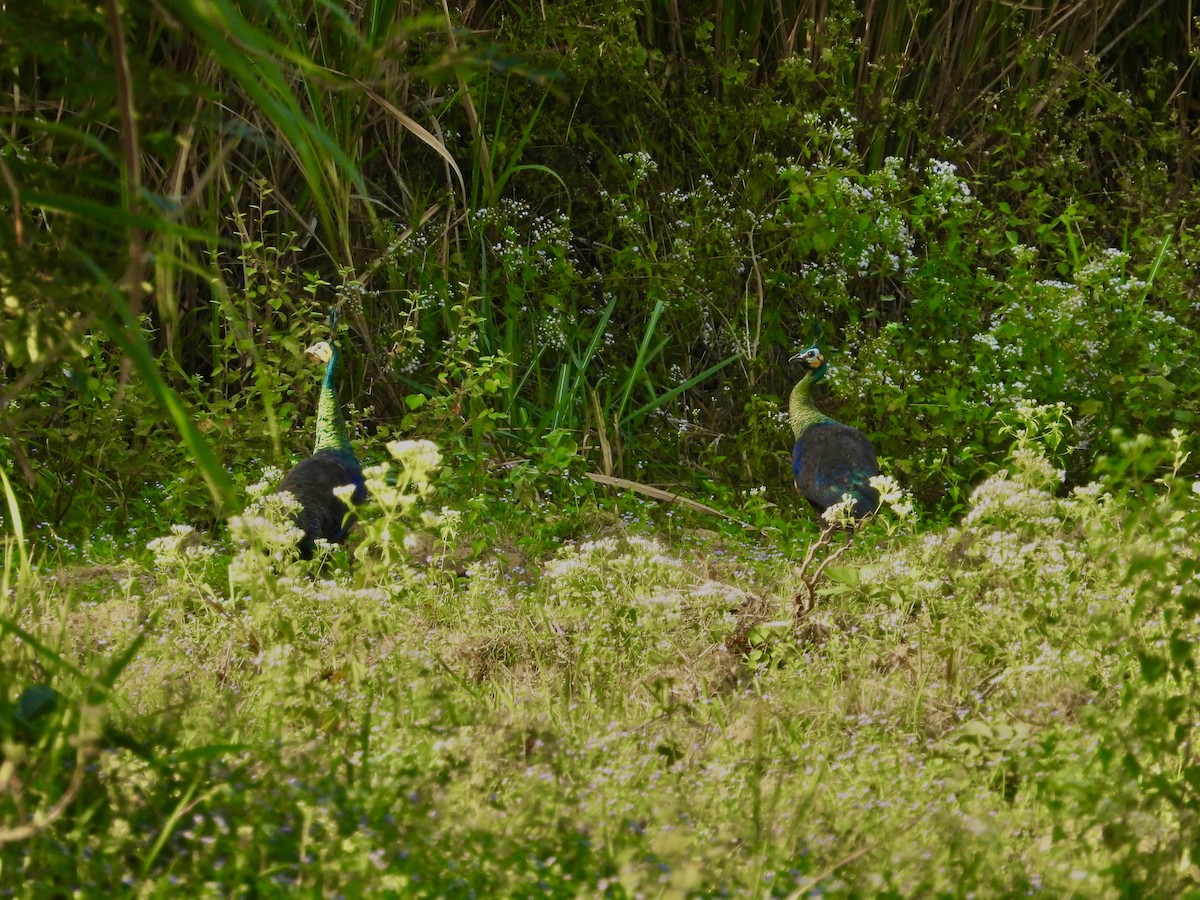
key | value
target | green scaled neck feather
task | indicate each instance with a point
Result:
(802, 412)
(331, 427)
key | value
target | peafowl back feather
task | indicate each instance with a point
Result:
(829, 459)
(333, 464)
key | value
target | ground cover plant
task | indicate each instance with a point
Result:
(571, 247)
(998, 707)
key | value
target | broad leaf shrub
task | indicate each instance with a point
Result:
(1114, 354)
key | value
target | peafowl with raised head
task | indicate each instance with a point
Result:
(322, 514)
(829, 459)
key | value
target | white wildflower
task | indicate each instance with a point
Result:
(719, 591)
(662, 599)
(168, 546)
(377, 474)
(419, 458)
(286, 502)
(562, 568)
(262, 487)
(842, 512)
(892, 495)
(262, 530)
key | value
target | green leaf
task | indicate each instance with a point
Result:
(1153, 667)
(1181, 650)
(679, 389)
(976, 728)
(35, 701)
(1191, 774)
(824, 239)
(844, 574)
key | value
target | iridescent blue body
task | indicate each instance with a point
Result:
(321, 513)
(829, 459)
(333, 464)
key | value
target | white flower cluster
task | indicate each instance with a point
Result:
(618, 562)
(642, 163)
(419, 458)
(181, 545)
(1023, 497)
(525, 242)
(270, 477)
(947, 191)
(841, 513)
(893, 496)
(266, 531)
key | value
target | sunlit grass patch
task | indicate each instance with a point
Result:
(636, 711)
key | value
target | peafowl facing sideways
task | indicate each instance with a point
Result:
(829, 459)
(333, 464)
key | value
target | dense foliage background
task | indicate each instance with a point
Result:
(585, 237)
(608, 224)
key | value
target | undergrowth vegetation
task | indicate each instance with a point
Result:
(1002, 707)
(578, 229)
(573, 245)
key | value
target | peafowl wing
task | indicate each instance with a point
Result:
(831, 459)
(322, 514)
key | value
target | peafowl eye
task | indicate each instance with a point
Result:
(333, 464)
(829, 459)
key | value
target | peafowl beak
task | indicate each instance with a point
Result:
(320, 352)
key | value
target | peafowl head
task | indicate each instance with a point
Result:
(801, 411)
(321, 351)
(813, 360)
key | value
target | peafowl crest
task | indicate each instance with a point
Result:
(829, 459)
(322, 514)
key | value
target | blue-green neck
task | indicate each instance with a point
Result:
(802, 412)
(331, 427)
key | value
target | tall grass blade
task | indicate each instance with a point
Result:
(50, 656)
(514, 166)
(665, 496)
(250, 56)
(121, 661)
(110, 217)
(181, 808)
(678, 389)
(1154, 268)
(638, 370)
(418, 131)
(14, 511)
(16, 544)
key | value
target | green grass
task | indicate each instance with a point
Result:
(593, 258)
(639, 712)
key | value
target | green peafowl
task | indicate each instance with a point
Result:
(333, 464)
(829, 459)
